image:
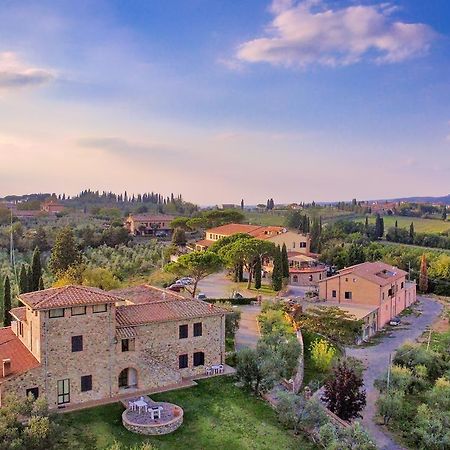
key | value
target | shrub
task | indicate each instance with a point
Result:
(322, 354)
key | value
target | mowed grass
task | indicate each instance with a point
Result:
(265, 218)
(420, 225)
(217, 415)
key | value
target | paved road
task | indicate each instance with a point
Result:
(216, 285)
(376, 359)
(248, 332)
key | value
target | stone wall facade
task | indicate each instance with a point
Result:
(154, 360)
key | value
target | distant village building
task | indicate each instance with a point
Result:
(148, 224)
(52, 207)
(278, 235)
(76, 344)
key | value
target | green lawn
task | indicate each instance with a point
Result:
(265, 218)
(420, 225)
(217, 415)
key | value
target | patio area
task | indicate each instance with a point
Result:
(144, 416)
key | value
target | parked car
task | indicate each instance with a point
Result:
(185, 281)
(395, 321)
(176, 287)
(161, 234)
(201, 296)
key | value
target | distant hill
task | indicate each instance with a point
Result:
(445, 200)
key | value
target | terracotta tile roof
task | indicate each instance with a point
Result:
(67, 296)
(151, 217)
(234, 228)
(376, 272)
(267, 232)
(145, 293)
(19, 313)
(125, 333)
(11, 348)
(204, 243)
(133, 315)
(308, 269)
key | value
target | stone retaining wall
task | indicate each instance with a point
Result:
(153, 429)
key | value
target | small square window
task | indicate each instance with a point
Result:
(198, 329)
(128, 345)
(183, 361)
(199, 359)
(78, 310)
(86, 383)
(348, 295)
(183, 331)
(100, 308)
(77, 343)
(53, 313)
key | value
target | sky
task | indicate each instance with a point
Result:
(221, 100)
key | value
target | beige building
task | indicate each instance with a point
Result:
(77, 344)
(372, 284)
(278, 235)
(148, 224)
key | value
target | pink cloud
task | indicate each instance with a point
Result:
(308, 33)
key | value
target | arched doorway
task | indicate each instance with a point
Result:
(128, 378)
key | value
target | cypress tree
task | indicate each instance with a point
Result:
(366, 225)
(6, 303)
(411, 231)
(41, 284)
(285, 261)
(257, 271)
(65, 252)
(277, 274)
(36, 270)
(423, 275)
(23, 280)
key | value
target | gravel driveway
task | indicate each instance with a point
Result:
(376, 359)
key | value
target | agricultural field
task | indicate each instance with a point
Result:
(420, 225)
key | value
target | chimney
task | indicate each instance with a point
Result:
(6, 367)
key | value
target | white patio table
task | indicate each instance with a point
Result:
(140, 404)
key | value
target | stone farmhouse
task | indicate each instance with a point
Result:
(77, 344)
(148, 224)
(373, 291)
(278, 235)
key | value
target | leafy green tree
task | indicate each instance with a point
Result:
(285, 261)
(277, 272)
(23, 280)
(322, 354)
(344, 393)
(40, 240)
(100, 278)
(390, 405)
(246, 252)
(444, 213)
(333, 322)
(36, 270)
(298, 414)
(7, 301)
(285, 347)
(179, 236)
(258, 270)
(334, 437)
(258, 370)
(65, 252)
(197, 265)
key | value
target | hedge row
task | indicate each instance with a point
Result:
(233, 301)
